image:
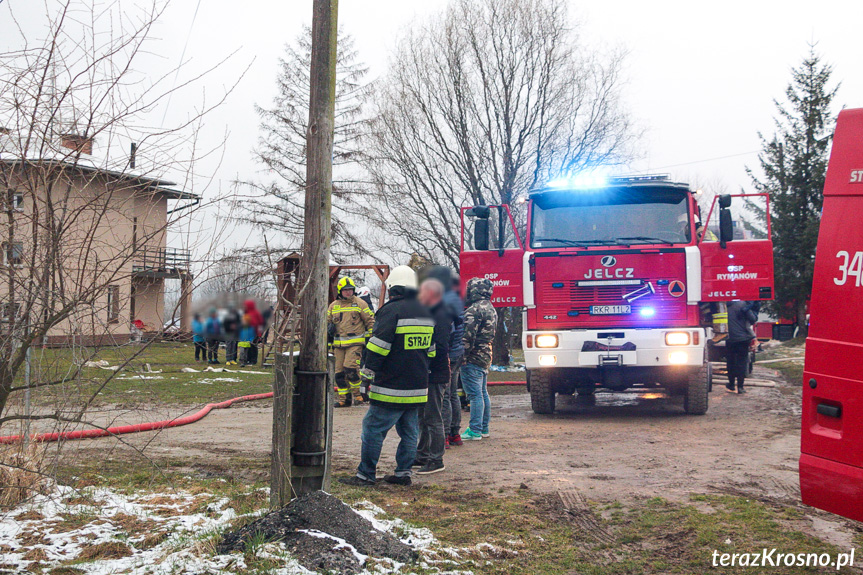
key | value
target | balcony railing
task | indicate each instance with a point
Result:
(161, 260)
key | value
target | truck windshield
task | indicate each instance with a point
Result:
(610, 217)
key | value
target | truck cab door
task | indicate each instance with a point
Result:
(831, 446)
(491, 248)
(735, 263)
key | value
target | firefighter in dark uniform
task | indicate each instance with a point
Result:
(397, 373)
(350, 323)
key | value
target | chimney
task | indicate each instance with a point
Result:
(132, 149)
(83, 144)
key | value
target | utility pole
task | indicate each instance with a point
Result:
(312, 381)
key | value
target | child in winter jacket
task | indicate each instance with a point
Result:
(247, 336)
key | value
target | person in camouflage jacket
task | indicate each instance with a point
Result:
(480, 323)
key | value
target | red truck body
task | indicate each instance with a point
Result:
(609, 273)
(831, 446)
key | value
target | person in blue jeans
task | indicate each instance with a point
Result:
(396, 373)
(480, 323)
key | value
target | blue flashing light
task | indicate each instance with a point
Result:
(662, 282)
(572, 313)
(586, 180)
(557, 285)
(647, 312)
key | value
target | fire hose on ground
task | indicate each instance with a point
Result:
(156, 425)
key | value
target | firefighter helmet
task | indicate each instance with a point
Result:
(345, 283)
(403, 276)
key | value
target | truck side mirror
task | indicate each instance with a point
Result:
(480, 226)
(726, 227)
(480, 234)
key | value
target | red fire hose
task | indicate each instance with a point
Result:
(120, 430)
(164, 424)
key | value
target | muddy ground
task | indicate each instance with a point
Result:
(625, 445)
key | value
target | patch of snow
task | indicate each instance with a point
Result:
(341, 543)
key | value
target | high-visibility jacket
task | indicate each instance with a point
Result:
(352, 319)
(399, 352)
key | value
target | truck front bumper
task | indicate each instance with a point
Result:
(592, 348)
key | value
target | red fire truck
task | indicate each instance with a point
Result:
(616, 279)
(831, 458)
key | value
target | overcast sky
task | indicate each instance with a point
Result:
(701, 76)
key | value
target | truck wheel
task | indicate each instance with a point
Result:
(709, 377)
(541, 393)
(696, 395)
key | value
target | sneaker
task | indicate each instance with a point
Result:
(419, 463)
(729, 388)
(471, 435)
(455, 440)
(486, 434)
(741, 390)
(446, 443)
(430, 468)
(403, 480)
(355, 481)
(216, 362)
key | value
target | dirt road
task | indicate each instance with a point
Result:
(625, 445)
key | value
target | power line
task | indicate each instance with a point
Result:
(699, 161)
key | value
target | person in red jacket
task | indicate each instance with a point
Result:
(256, 322)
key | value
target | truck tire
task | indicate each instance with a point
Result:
(541, 392)
(696, 396)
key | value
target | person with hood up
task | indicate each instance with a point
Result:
(742, 315)
(198, 338)
(480, 323)
(397, 373)
(256, 322)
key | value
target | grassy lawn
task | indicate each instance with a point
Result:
(134, 382)
(519, 531)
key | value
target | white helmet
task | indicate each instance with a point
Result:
(402, 276)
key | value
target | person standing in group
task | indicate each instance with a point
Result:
(213, 333)
(742, 316)
(198, 338)
(352, 322)
(256, 322)
(451, 409)
(247, 336)
(480, 323)
(432, 435)
(397, 371)
(231, 333)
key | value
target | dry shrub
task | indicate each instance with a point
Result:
(21, 474)
(36, 554)
(133, 525)
(106, 550)
(153, 539)
(66, 571)
(31, 515)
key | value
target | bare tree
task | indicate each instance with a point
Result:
(85, 222)
(275, 200)
(234, 273)
(479, 106)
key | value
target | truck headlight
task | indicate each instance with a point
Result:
(547, 360)
(677, 338)
(546, 340)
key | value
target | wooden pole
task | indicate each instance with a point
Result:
(312, 382)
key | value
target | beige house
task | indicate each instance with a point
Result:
(85, 247)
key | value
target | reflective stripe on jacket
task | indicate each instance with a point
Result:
(352, 319)
(399, 351)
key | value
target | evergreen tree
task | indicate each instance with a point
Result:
(794, 164)
(275, 200)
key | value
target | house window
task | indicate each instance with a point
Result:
(13, 254)
(10, 312)
(17, 200)
(113, 304)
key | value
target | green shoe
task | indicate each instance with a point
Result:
(471, 435)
